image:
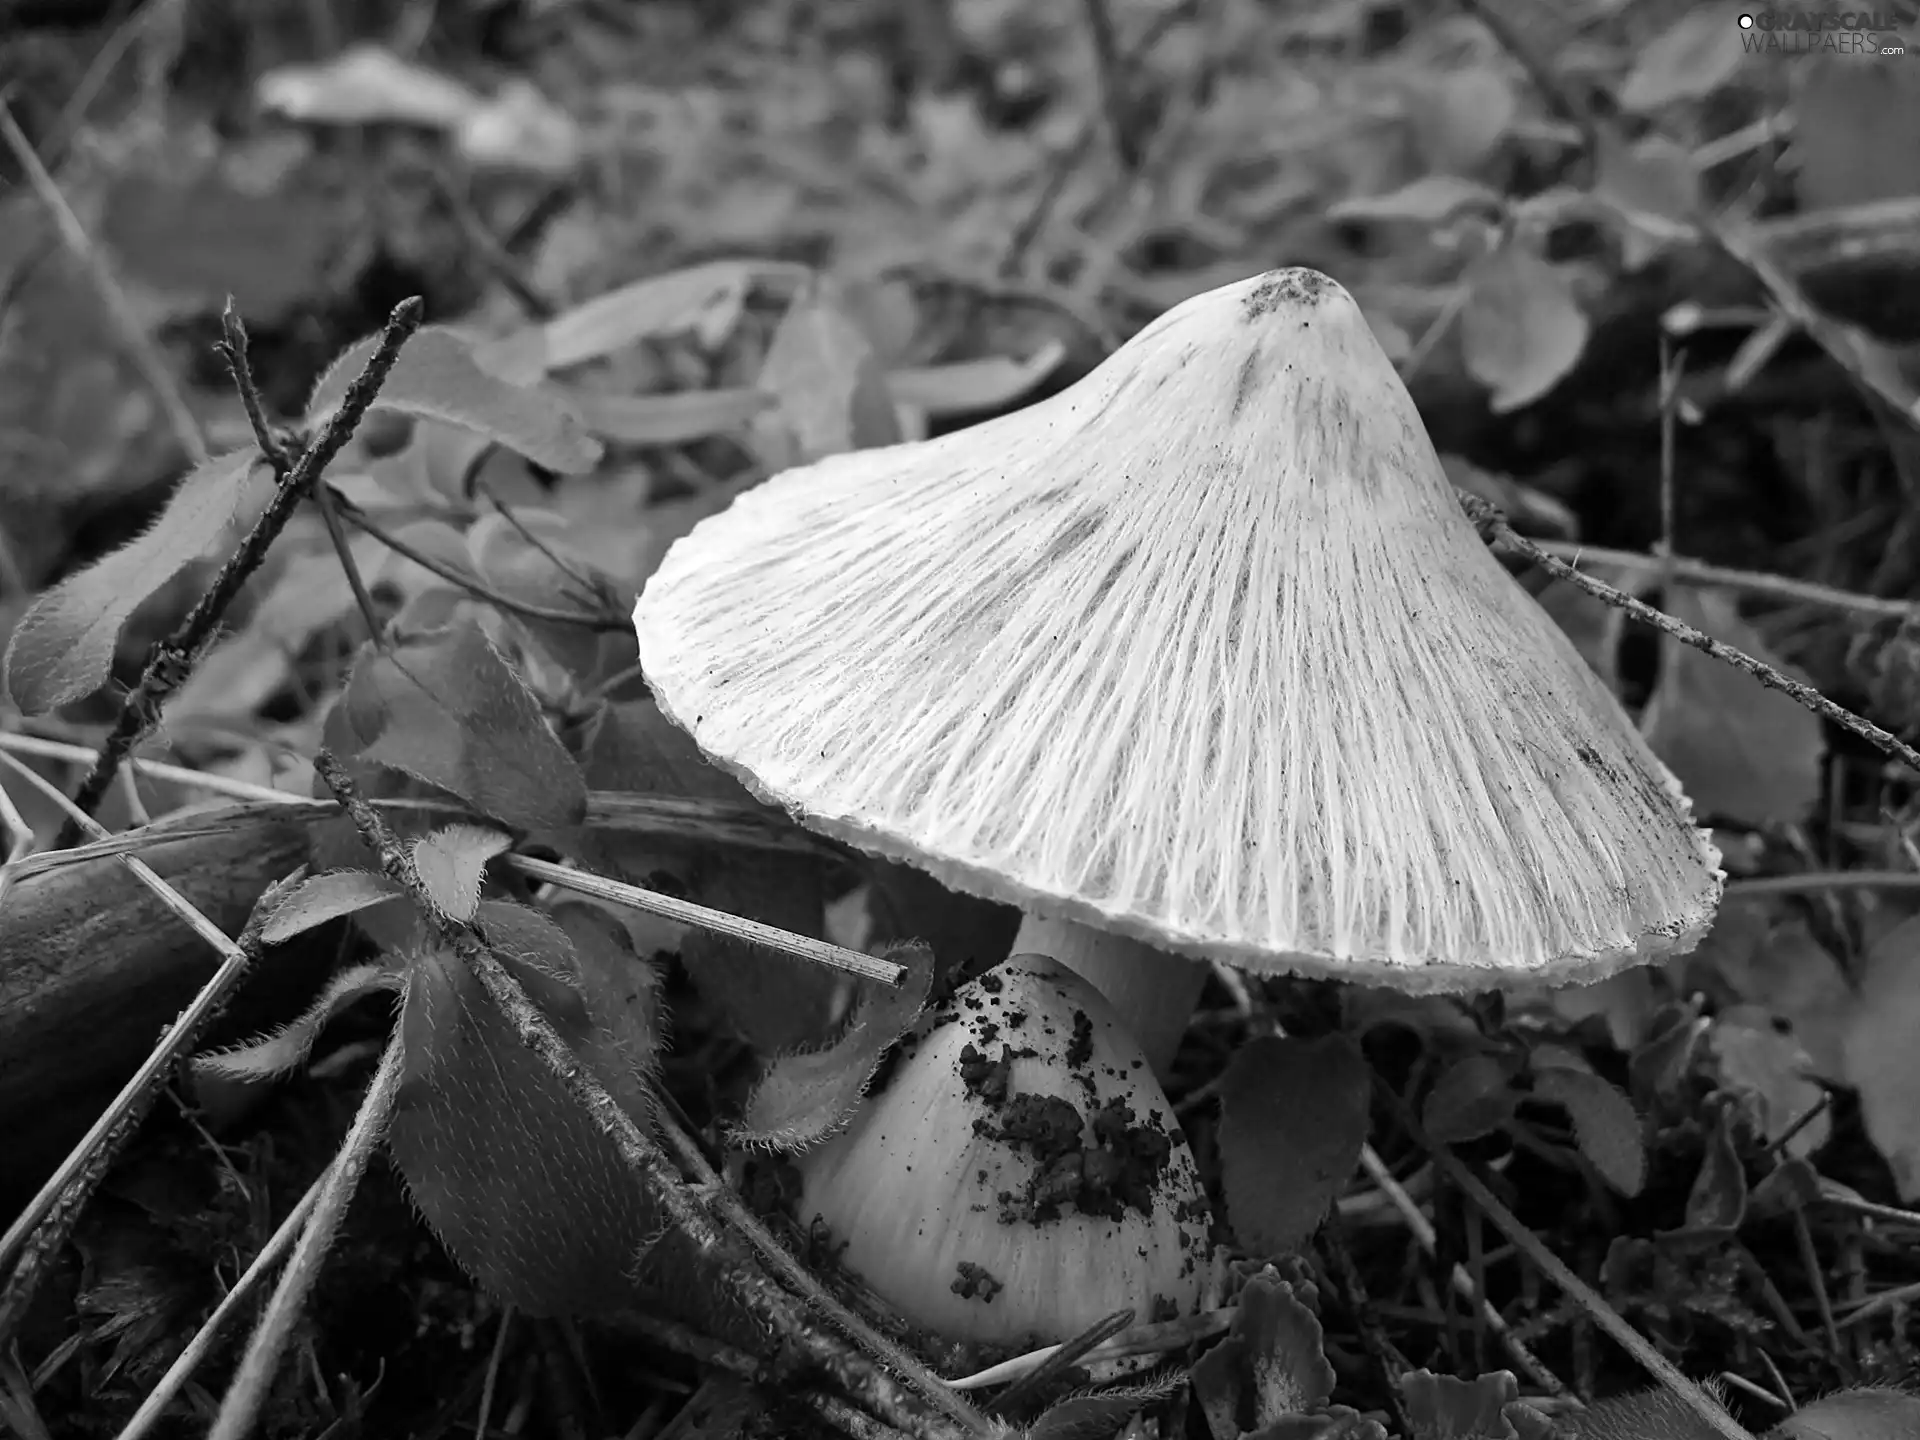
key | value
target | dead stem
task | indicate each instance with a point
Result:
(253, 1382)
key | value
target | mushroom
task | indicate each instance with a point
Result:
(1020, 1174)
(1198, 659)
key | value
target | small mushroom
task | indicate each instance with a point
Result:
(1198, 658)
(1020, 1175)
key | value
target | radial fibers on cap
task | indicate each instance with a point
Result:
(1201, 650)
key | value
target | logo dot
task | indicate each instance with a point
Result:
(1746, 22)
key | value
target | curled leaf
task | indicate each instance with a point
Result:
(63, 646)
(286, 1049)
(803, 1098)
(326, 897)
(1441, 1407)
(1269, 1369)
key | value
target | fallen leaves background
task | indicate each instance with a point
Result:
(680, 246)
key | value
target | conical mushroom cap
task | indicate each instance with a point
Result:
(1201, 650)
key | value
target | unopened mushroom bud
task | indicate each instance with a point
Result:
(1020, 1176)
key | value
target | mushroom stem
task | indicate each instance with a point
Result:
(1153, 993)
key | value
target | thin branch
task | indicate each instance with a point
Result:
(473, 584)
(1070, 156)
(783, 1264)
(171, 661)
(37, 1233)
(687, 819)
(1495, 530)
(1428, 1240)
(751, 932)
(233, 349)
(1109, 78)
(1756, 583)
(686, 1209)
(140, 348)
(253, 1382)
(1716, 1419)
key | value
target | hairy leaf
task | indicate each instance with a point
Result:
(1283, 1162)
(451, 863)
(437, 377)
(287, 1048)
(447, 709)
(63, 646)
(327, 897)
(524, 1189)
(803, 1098)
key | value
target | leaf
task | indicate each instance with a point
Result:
(327, 897)
(446, 709)
(437, 377)
(1648, 1413)
(1473, 1097)
(1282, 1163)
(805, 1097)
(775, 1002)
(63, 646)
(286, 1049)
(1429, 200)
(1788, 974)
(451, 863)
(968, 387)
(705, 299)
(1742, 752)
(1846, 117)
(1767, 1070)
(667, 419)
(1099, 1417)
(622, 992)
(1605, 1126)
(1270, 1366)
(1442, 1408)
(1459, 117)
(1520, 330)
(1718, 1200)
(528, 558)
(1883, 1062)
(363, 84)
(1654, 179)
(829, 384)
(1692, 58)
(525, 1191)
(1865, 1413)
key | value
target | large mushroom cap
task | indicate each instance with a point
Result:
(1202, 651)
